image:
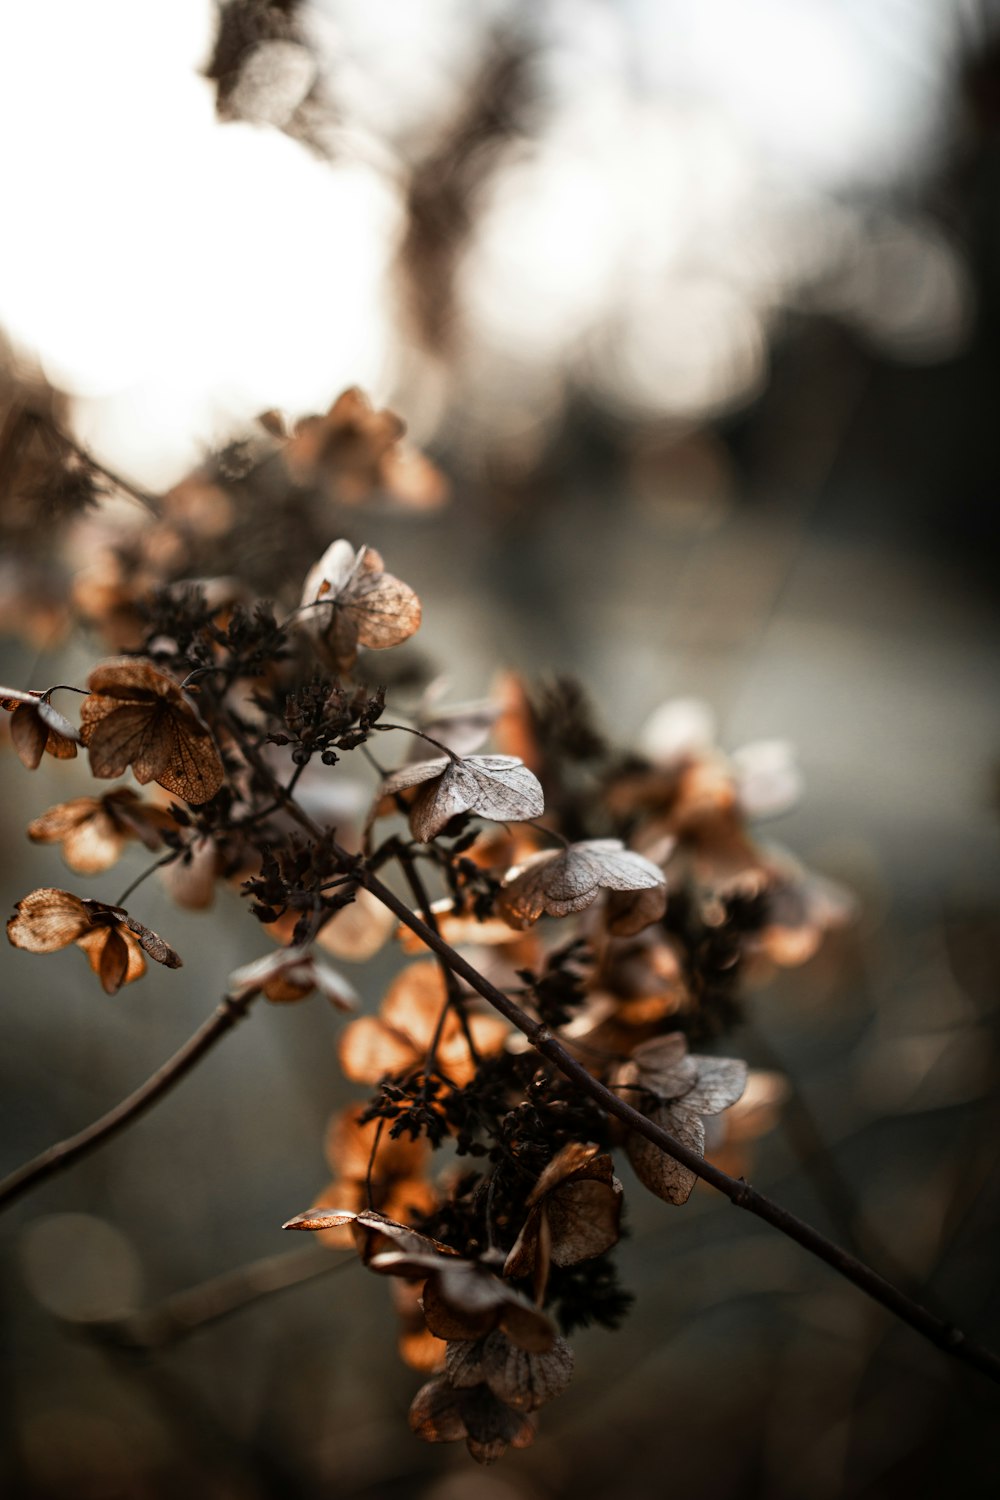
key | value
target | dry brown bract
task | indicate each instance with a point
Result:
(463, 1299)
(674, 1090)
(354, 449)
(135, 716)
(373, 1171)
(575, 1214)
(36, 728)
(375, 1234)
(94, 830)
(560, 881)
(348, 601)
(114, 942)
(410, 1021)
(443, 1413)
(493, 786)
(520, 1379)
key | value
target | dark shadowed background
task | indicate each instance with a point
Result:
(697, 305)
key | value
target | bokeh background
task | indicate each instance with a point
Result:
(696, 303)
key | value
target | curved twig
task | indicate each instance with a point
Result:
(62, 1155)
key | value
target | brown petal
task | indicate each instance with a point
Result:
(434, 1413)
(561, 881)
(493, 786)
(47, 920)
(419, 1349)
(369, 1050)
(663, 1174)
(194, 769)
(523, 1380)
(190, 879)
(357, 932)
(130, 678)
(56, 822)
(663, 1066)
(29, 735)
(91, 840)
(631, 912)
(349, 1145)
(63, 738)
(126, 734)
(109, 954)
(584, 1219)
(721, 1081)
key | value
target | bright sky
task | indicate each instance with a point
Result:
(690, 173)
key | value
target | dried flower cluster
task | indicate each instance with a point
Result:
(618, 899)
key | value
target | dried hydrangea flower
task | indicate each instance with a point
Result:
(47, 920)
(136, 716)
(349, 600)
(36, 728)
(94, 831)
(556, 882)
(682, 1090)
(492, 786)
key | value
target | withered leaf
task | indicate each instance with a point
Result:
(357, 932)
(349, 600)
(524, 1380)
(442, 1413)
(683, 1089)
(135, 716)
(48, 919)
(559, 881)
(574, 1212)
(37, 727)
(499, 787)
(668, 1178)
(400, 1037)
(463, 1299)
(383, 1243)
(95, 830)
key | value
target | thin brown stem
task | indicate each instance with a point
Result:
(456, 999)
(370, 1171)
(145, 498)
(406, 729)
(64, 1153)
(167, 859)
(220, 1297)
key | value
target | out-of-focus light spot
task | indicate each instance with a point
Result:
(80, 1267)
(691, 347)
(541, 258)
(907, 288)
(402, 69)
